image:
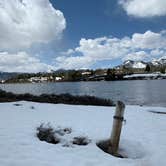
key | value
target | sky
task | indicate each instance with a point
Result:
(44, 35)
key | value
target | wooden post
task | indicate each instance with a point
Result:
(116, 128)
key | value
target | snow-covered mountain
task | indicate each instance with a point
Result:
(130, 64)
(159, 62)
(134, 64)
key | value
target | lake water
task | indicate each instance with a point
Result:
(142, 92)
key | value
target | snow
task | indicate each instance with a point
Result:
(135, 64)
(139, 65)
(155, 62)
(162, 60)
(142, 140)
(145, 75)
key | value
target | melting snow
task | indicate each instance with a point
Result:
(142, 140)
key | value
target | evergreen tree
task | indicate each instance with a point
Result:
(147, 69)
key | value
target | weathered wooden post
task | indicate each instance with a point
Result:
(116, 128)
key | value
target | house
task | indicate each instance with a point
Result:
(38, 79)
(58, 78)
(2, 81)
(86, 73)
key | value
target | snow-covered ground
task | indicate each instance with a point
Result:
(143, 137)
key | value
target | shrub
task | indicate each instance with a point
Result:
(62, 132)
(17, 104)
(81, 140)
(47, 133)
(32, 107)
(53, 98)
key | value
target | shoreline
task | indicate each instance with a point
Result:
(124, 79)
(55, 99)
(85, 100)
(136, 76)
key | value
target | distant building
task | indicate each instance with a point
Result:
(2, 81)
(38, 79)
(58, 78)
(86, 73)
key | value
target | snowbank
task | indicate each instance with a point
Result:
(143, 135)
(145, 75)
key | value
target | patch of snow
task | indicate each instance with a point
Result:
(134, 64)
(139, 65)
(160, 61)
(128, 63)
(155, 63)
(142, 140)
(145, 75)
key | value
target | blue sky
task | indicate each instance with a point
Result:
(80, 33)
(97, 18)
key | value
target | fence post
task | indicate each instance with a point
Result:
(116, 128)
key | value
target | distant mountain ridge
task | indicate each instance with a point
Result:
(134, 64)
(130, 64)
(158, 62)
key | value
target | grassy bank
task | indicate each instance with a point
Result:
(56, 99)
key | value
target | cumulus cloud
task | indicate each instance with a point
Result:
(149, 40)
(144, 8)
(158, 52)
(26, 22)
(21, 62)
(137, 47)
(22, 24)
(68, 52)
(136, 56)
(73, 62)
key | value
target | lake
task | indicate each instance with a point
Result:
(142, 92)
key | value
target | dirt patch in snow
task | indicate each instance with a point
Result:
(157, 112)
(128, 149)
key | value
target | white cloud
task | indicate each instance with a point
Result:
(68, 52)
(72, 62)
(136, 56)
(92, 50)
(144, 8)
(21, 62)
(25, 22)
(138, 47)
(158, 53)
(149, 40)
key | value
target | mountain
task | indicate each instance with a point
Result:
(130, 64)
(134, 64)
(159, 62)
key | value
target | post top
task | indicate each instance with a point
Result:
(120, 104)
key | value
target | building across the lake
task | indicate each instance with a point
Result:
(44, 79)
(2, 81)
